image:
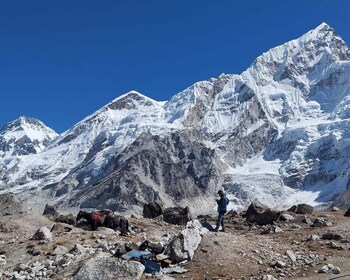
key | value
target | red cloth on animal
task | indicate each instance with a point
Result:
(96, 216)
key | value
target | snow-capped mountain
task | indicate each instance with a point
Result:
(277, 133)
(24, 136)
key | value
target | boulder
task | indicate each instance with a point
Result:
(59, 250)
(103, 267)
(78, 249)
(301, 209)
(42, 233)
(347, 213)
(292, 209)
(260, 214)
(306, 220)
(177, 215)
(152, 210)
(60, 228)
(304, 209)
(320, 222)
(10, 205)
(332, 236)
(286, 217)
(290, 254)
(50, 210)
(66, 219)
(182, 246)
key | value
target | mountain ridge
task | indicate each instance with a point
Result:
(278, 113)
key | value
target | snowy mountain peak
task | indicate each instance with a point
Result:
(130, 100)
(24, 136)
(279, 128)
(322, 28)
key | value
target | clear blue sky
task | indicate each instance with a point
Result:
(62, 60)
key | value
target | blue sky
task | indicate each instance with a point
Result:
(62, 60)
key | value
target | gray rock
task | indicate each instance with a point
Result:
(304, 209)
(286, 217)
(78, 249)
(103, 267)
(323, 269)
(279, 264)
(42, 234)
(335, 209)
(2, 262)
(334, 245)
(177, 215)
(166, 277)
(272, 230)
(58, 227)
(347, 213)
(268, 277)
(152, 209)
(336, 270)
(290, 254)
(59, 250)
(332, 236)
(321, 222)
(260, 214)
(306, 220)
(10, 205)
(313, 237)
(295, 226)
(50, 210)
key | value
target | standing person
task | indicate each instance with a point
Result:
(222, 209)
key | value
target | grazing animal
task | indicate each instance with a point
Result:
(117, 222)
(95, 219)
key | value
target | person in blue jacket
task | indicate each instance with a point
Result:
(222, 209)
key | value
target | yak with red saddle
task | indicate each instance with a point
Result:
(105, 218)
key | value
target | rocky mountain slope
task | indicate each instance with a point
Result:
(277, 133)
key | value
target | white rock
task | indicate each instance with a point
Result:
(291, 255)
(268, 277)
(2, 262)
(323, 269)
(182, 246)
(59, 250)
(42, 234)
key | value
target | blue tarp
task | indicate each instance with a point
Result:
(135, 255)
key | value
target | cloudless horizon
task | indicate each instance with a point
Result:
(63, 60)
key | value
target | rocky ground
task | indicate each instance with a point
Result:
(291, 249)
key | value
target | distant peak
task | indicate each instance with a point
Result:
(27, 120)
(323, 26)
(133, 94)
(130, 100)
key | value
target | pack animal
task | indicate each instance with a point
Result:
(95, 219)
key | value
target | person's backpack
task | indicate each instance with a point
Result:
(227, 201)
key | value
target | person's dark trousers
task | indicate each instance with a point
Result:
(220, 221)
